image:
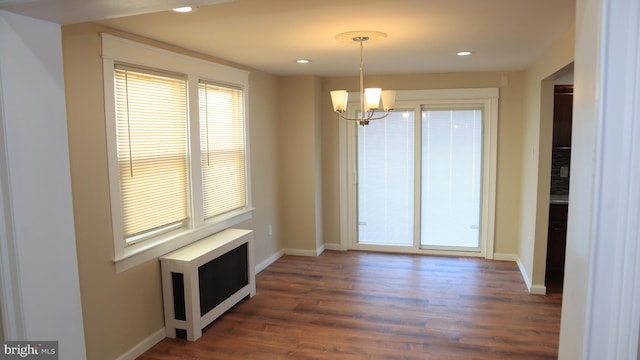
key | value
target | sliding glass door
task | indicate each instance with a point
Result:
(386, 180)
(423, 179)
(451, 178)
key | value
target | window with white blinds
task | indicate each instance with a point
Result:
(222, 149)
(151, 126)
(176, 148)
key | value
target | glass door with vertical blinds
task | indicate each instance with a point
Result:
(451, 178)
(385, 163)
(420, 183)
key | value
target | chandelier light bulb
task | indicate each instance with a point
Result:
(339, 99)
(372, 98)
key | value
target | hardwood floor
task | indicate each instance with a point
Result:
(357, 305)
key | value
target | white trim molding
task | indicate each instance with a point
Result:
(10, 302)
(144, 345)
(505, 257)
(613, 289)
(334, 246)
(304, 252)
(532, 288)
(268, 261)
(601, 301)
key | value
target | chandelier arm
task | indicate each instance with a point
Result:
(386, 113)
(350, 118)
(366, 117)
(370, 116)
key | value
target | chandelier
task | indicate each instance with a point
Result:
(369, 97)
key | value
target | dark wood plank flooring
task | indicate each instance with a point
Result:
(358, 305)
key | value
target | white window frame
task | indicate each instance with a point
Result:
(117, 50)
(415, 100)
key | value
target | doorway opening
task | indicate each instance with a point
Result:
(559, 192)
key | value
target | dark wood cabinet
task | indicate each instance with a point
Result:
(557, 232)
(556, 243)
(562, 115)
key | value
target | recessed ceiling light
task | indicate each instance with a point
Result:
(303, 61)
(184, 9)
(464, 53)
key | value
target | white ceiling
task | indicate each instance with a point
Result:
(269, 35)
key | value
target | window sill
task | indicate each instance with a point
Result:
(137, 254)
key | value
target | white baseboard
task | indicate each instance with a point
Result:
(144, 345)
(538, 290)
(523, 272)
(295, 252)
(333, 246)
(301, 252)
(505, 257)
(533, 289)
(268, 261)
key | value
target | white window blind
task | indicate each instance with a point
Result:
(451, 178)
(222, 148)
(385, 180)
(151, 126)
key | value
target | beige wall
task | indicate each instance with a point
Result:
(299, 139)
(509, 139)
(121, 310)
(265, 179)
(536, 156)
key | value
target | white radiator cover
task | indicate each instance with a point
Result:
(181, 280)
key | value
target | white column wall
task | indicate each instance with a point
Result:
(601, 307)
(40, 287)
